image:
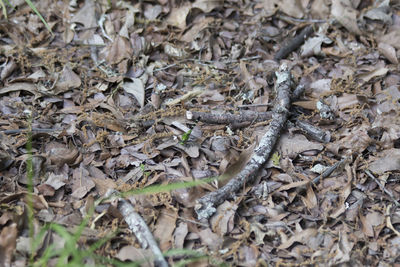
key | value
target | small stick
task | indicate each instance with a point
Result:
(328, 171)
(26, 130)
(234, 119)
(139, 227)
(294, 43)
(227, 118)
(290, 19)
(383, 188)
(314, 132)
(205, 206)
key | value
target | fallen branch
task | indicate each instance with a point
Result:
(206, 206)
(382, 187)
(314, 132)
(227, 118)
(294, 43)
(246, 116)
(139, 228)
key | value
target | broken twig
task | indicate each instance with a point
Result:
(294, 43)
(328, 171)
(206, 205)
(139, 227)
(314, 132)
(227, 118)
(382, 187)
(246, 116)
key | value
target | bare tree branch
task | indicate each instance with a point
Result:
(206, 205)
(139, 227)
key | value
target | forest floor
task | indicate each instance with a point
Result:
(172, 108)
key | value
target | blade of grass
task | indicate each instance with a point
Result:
(3, 7)
(168, 187)
(31, 5)
(29, 174)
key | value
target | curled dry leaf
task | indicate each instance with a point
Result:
(389, 52)
(8, 237)
(346, 15)
(136, 88)
(134, 254)
(59, 154)
(68, 80)
(38, 169)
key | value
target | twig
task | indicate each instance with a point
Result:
(139, 227)
(206, 62)
(328, 171)
(290, 19)
(101, 22)
(227, 118)
(205, 206)
(235, 119)
(382, 187)
(314, 132)
(26, 130)
(294, 43)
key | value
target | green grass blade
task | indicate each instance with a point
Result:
(153, 189)
(31, 5)
(3, 7)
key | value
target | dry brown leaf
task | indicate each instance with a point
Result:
(389, 160)
(165, 227)
(374, 73)
(132, 253)
(292, 8)
(300, 237)
(343, 11)
(136, 88)
(222, 221)
(177, 17)
(68, 80)
(29, 87)
(118, 50)
(389, 52)
(212, 240)
(310, 200)
(8, 243)
(180, 234)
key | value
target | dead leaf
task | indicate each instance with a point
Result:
(213, 241)
(300, 237)
(68, 80)
(180, 234)
(312, 46)
(388, 161)
(8, 242)
(292, 8)
(346, 15)
(134, 254)
(222, 221)
(389, 52)
(118, 50)
(136, 88)
(374, 73)
(165, 227)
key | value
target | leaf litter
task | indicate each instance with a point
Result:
(127, 95)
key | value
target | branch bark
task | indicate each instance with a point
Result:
(139, 228)
(294, 43)
(206, 206)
